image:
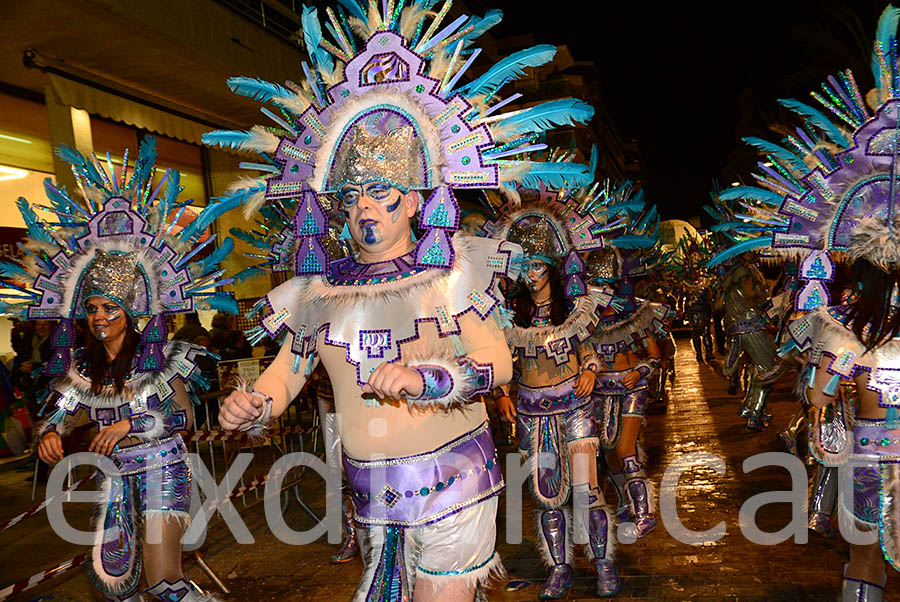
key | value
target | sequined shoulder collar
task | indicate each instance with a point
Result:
(350, 272)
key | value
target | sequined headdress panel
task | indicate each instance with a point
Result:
(380, 147)
(116, 276)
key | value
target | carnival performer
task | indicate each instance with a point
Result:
(839, 201)
(116, 260)
(410, 332)
(742, 293)
(553, 317)
(625, 341)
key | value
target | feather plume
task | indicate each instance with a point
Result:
(14, 271)
(36, 229)
(144, 165)
(510, 68)
(264, 91)
(353, 8)
(256, 139)
(217, 256)
(410, 19)
(439, 64)
(752, 193)
(874, 240)
(545, 116)
(741, 247)
(219, 302)
(887, 29)
(481, 25)
(312, 38)
(360, 27)
(531, 174)
(251, 238)
(816, 118)
(778, 152)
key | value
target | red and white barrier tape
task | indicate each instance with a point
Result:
(44, 504)
(26, 584)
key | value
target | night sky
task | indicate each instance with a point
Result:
(689, 83)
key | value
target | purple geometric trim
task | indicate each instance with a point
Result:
(306, 345)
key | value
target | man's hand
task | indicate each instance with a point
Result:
(631, 379)
(585, 383)
(104, 441)
(50, 448)
(506, 408)
(240, 410)
(392, 381)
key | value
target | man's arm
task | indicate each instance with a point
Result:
(271, 394)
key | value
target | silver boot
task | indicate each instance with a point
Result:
(856, 590)
(640, 498)
(600, 528)
(350, 546)
(179, 591)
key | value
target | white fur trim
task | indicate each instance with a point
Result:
(461, 383)
(112, 584)
(581, 320)
(875, 240)
(639, 321)
(340, 117)
(182, 518)
(541, 542)
(156, 430)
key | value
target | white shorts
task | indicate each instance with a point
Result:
(460, 546)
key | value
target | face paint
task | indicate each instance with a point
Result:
(104, 318)
(392, 209)
(535, 275)
(368, 208)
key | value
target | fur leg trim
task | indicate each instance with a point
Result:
(127, 541)
(588, 445)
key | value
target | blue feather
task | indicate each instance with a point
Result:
(248, 273)
(220, 302)
(752, 193)
(556, 175)
(510, 68)
(778, 152)
(354, 8)
(233, 139)
(312, 37)
(36, 229)
(632, 241)
(250, 238)
(594, 160)
(144, 164)
(545, 116)
(887, 29)
(259, 89)
(482, 24)
(173, 189)
(816, 118)
(741, 247)
(218, 256)
(70, 155)
(58, 197)
(13, 270)
(645, 221)
(216, 209)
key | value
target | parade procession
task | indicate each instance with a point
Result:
(433, 301)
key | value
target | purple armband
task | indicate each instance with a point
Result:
(481, 376)
(643, 370)
(436, 382)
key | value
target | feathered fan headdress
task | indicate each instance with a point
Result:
(393, 107)
(117, 241)
(831, 187)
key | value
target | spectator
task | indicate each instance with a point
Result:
(191, 329)
(237, 347)
(221, 324)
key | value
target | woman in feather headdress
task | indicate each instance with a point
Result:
(833, 196)
(112, 259)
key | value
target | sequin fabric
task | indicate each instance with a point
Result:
(384, 147)
(538, 236)
(114, 276)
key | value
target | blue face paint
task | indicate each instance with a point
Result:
(370, 235)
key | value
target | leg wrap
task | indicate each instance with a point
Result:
(618, 481)
(180, 591)
(823, 497)
(641, 498)
(755, 404)
(600, 550)
(116, 555)
(556, 543)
